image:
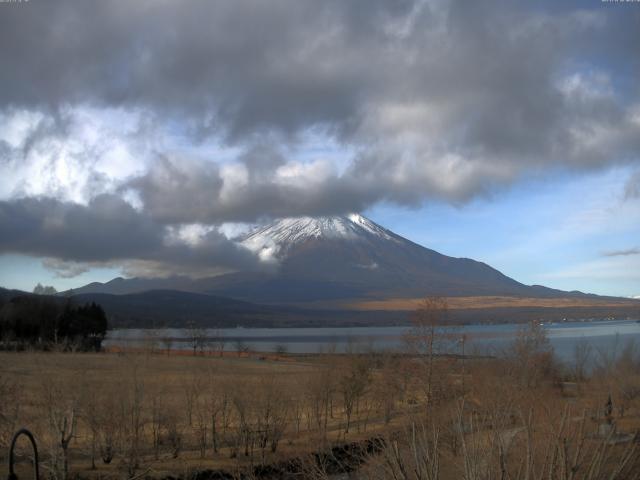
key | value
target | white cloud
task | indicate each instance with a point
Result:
(619, 269)
(66, 269)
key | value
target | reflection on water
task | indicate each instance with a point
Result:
(603, 336)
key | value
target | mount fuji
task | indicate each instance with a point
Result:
(336, 258)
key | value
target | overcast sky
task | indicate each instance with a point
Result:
(137, 138)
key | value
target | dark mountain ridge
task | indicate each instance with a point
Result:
(172, 308)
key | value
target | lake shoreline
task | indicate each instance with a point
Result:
(480, 339)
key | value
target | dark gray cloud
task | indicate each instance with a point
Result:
(179, 191)
(622, 253)
(107, 230)
(231, 66)
(433, 99)
(242, 68)
(173, 187)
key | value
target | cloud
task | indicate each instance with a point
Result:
(616, 268)
(433, 99)
(178, 190)
(109, 230)
(632, 188)
(65, 269)
(212, 112)
(622, 253)
(76, 154)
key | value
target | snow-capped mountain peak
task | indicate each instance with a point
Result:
(342, 258)
(278, 237)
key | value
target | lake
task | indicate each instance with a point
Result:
(603, 336)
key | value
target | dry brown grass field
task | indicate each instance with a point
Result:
(137, 415)
(157, 411)
(454, 303)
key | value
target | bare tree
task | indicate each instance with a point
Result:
(269, 414)
(320, 388)
(109, 416)
(131, 407)
(421, 461)
(241, 347)
(353, 383)
(625, 377)
(605, 358)
(62, 414)
(90, 410)
(152, 340)
(158, 419)
(242, 431)
(197, 338)
(174, 433)
(192, 386)
(219, 342)
(218, 409)
(531, 354)
(201, 425)
(9, 410)
(167, 341)
(424, 337)
(581, 357)
(388, 387)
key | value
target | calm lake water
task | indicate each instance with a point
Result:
(603, 336)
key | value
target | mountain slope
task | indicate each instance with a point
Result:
(340, 257)
(171, 308)
(369, 260)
